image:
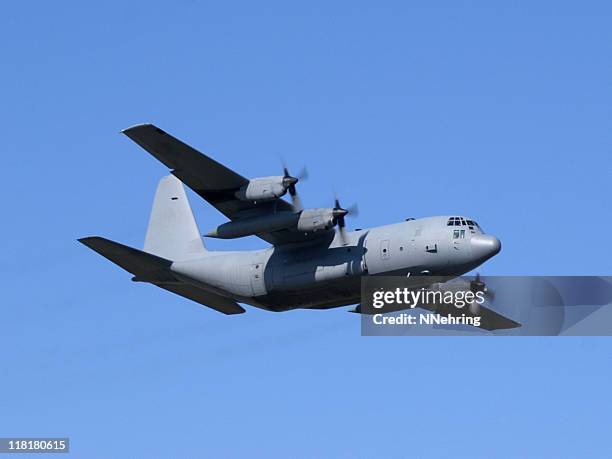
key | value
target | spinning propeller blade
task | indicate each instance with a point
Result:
(339, 213)
(478, 285)
(289, 183)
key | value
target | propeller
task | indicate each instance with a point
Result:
(478, 285)
(289, 183)
(338, 213)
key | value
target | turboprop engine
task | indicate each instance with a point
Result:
(312, 220)
(268, 188)
(305, 221)
(264, 188)
(255, 225)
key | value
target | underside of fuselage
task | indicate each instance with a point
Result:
(342, 292)
(334, 294)
(324, 296)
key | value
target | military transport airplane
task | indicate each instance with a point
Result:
(313, 262)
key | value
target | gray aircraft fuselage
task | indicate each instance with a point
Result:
(322, 276)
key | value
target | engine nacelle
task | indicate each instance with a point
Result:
(262, 189)
(306, 221)
(254, 225)
(315, 219)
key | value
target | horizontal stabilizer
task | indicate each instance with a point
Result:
(155, 270)
(135, 261)
(212, 300)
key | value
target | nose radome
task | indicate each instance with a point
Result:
(484, 246)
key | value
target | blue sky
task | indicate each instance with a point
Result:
(500, 112)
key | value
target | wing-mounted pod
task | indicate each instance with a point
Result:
(255, 225)
(312, 220)
(268, 188)
(263, 189)
(305, 221)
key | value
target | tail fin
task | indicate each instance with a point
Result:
(173, 233)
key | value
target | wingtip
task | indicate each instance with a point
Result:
(135, 126)
(89, 239)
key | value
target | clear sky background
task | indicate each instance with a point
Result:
(500, 112)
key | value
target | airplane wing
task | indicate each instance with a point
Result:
(155, 270)
(489, 319)
(213, 181)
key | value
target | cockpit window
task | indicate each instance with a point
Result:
(455, 221)
(461, 221)
(472, 225)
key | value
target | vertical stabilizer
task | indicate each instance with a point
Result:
(173, 233)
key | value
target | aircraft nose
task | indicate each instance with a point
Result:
(484, 246)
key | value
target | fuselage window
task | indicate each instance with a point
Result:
(459, 234)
